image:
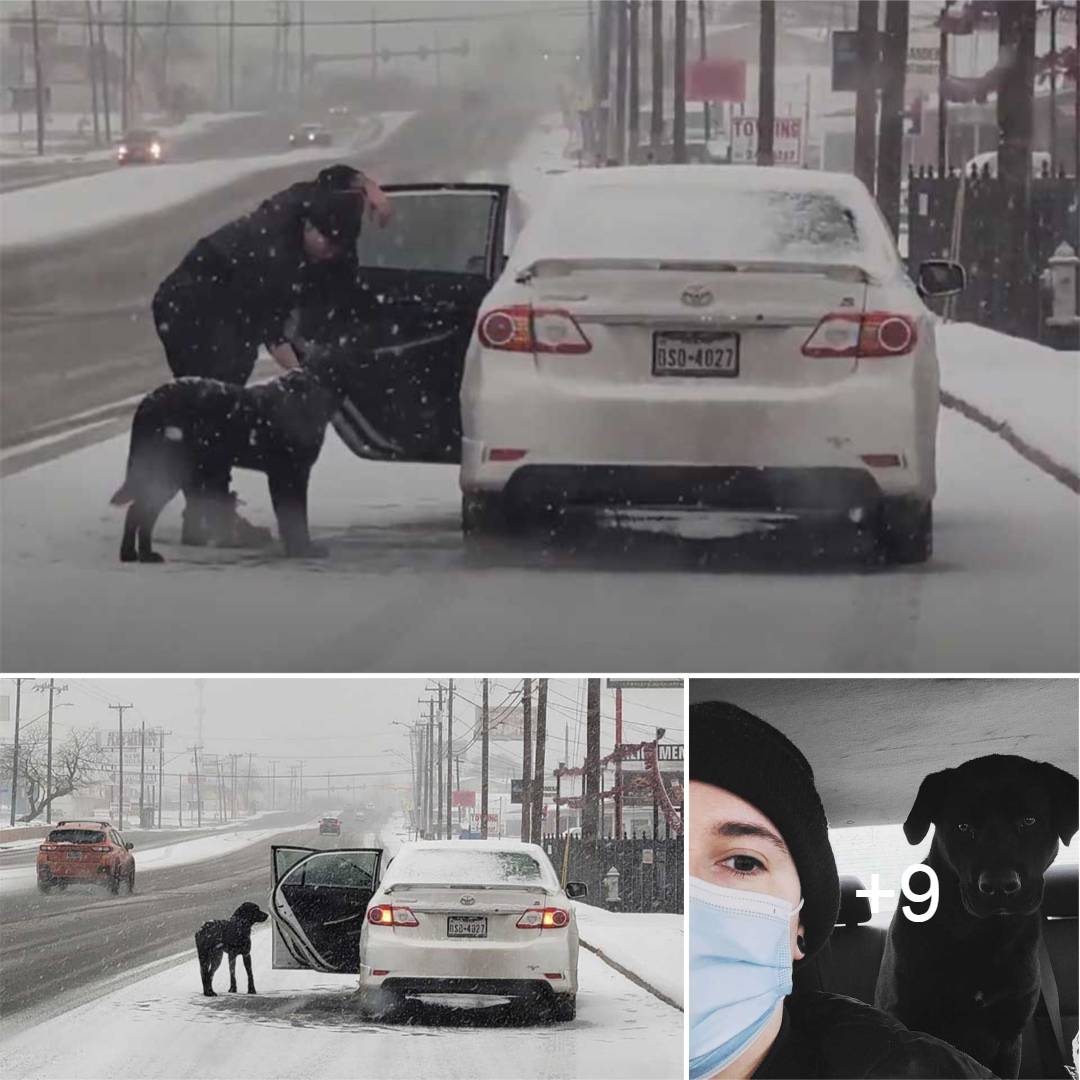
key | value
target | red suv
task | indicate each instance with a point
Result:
(84, 852)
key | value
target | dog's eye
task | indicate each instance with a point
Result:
(964, 827)
(1027, 822)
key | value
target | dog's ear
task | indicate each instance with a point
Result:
(1064, 789)
(927, 806)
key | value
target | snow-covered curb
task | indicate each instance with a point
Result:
(1026, 393)
(646, 948)
(89, 204)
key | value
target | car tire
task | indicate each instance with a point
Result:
(379, 1004)
(483, 514)
(114, 884)
(131, 881)
(45, 887)
(905, 532)
(563, 1008)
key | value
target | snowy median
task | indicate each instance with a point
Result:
(1024, 392)
(88, 204)
(647, 947)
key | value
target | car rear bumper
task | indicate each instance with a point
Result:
(513, 988)
(73, 873)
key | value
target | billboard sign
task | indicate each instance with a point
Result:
(463, 798)
(645, 684)
(716, 80)
(506, 722)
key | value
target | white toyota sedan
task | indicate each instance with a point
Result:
(455, 917)
(705, 338)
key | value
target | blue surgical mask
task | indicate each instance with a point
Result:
(740, 968)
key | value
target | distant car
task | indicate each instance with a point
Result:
(85, 852)
(487, 917)
(311, 135)
(338, 110)
(330, 825)
(146, 147)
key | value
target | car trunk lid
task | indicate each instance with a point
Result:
(468, 912)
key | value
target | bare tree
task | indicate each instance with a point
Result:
(77, 763)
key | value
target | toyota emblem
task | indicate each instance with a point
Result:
(467, 900)
(697, 296)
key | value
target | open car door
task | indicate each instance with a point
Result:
(408, 314)
(318, 903)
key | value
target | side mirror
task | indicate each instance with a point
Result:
(940, 278)
(576, 889)
(129, 845)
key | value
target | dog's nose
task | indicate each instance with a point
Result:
(1000, 883)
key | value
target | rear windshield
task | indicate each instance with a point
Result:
(141, 136)
(698, 222)
(467, 867)
(76, 836)
(442, 231)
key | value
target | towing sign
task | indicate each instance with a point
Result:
(788, 142)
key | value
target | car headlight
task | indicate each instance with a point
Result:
(121, 151)
(155, 149)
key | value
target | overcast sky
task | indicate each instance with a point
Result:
(343, 726)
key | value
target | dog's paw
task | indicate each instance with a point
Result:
(209, 993)
(127, 555)
(152, 557)
(251, 990)
(309, 551)
(232, 989)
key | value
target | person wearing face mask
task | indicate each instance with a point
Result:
(764, 895)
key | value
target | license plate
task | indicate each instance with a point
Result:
(695, 352)
(474, 926)
(74, 855)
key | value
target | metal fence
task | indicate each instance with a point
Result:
(967, 219)
(623, 875)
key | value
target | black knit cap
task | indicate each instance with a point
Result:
(338, 215)
(734, 750)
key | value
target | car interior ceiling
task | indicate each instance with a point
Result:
(848, 963)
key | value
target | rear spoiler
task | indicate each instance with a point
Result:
(562, 267)
(461, 885)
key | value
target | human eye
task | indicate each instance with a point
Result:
(741, 865)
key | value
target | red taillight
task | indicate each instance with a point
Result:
(505, 453)
(391, 915)
(48, 847)
(105, 849)
(872, 334)
(523, 328)
(549, 918)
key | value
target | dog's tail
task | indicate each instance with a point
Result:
(140, 422)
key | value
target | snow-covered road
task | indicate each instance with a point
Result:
(303, 1024)
(398, 592)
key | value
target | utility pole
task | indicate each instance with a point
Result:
(679, 139)
(484, 763)
(273, 785)
(943, 111)
(703, 53)
(142, 771)
(621, 58)
(635, 81)
(52, 689)
(374, 47)
(537, 809)
(618, 765)
(124, 104)
(891, 139)
(91, 64)
(232, 54)
(103, 56)
(766, 124)
(602, 90)
(179, 800)
(198, 784)
(120, 710)
(438, 766)
(165, 45)
(449, 759)
(429, 758)
(526, 759)
(161, 773)
(133, 99)
(590, 818)
(656, 122)
(247, 798)
(866, 43)
(301, 77)
(39, 88)
(15, 751)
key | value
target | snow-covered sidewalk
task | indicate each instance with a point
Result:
(1026, 389)
(648, 945)
(88, 204)
(305, 1024)
(168, 855)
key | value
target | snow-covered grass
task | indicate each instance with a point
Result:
(1033, 389)
(648, 944)
(168, 855)
(90, 203)
(305, 1024)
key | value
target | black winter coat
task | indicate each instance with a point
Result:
(827, 1035)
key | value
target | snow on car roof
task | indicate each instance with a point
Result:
(490, 844)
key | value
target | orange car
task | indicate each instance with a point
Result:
(85, 852)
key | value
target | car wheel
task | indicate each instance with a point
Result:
(483, 514)
(131, 881)
(44, 886)
(379, 1004)
(114, 884)
(906, 531)
(564, 1008)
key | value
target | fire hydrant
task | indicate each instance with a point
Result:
(612, 899)
(1062, 280)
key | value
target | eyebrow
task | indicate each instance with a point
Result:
(733, 830)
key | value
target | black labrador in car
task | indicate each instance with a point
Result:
(187, 432)
(233, 936)
(970, 973)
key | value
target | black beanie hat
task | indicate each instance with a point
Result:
(338, 215)
(734, 750)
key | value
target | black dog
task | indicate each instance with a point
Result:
(970, 974)
(186, 432)
(233, 936)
